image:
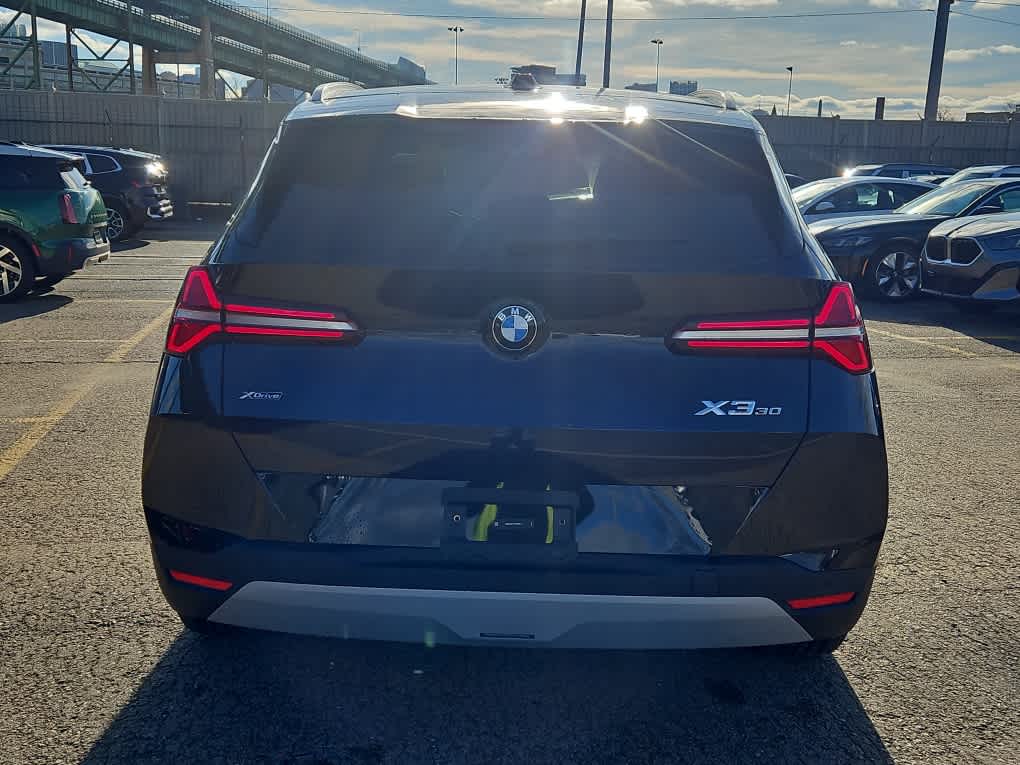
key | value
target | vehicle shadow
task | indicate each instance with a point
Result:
(1000, 328)
(33, 304)
(260, 697)
(127, 245)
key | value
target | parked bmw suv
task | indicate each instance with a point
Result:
(133, 184)
(52, 222)
(519, 379)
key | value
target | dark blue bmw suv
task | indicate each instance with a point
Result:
(501, 366)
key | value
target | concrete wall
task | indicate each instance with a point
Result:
(821, 147)
(212, 148)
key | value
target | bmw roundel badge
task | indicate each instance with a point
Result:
(514, 328)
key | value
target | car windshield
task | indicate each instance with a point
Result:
(804, 194)
(969, 175)
(950, 200)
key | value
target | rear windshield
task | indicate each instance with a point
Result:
(428, 192)
(39, 173)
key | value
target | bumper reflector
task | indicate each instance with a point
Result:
(821, 600)
(200, 581)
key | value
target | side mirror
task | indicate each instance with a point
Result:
(824, 207)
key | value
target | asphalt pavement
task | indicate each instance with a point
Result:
(94, 666)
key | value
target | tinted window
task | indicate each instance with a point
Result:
(101, 163)
(29, 173)
(429, 191)
(894, 171)
(1007, 201)
(859, 197)
(1011, 172)
(903, 193)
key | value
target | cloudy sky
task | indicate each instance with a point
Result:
(847, 60)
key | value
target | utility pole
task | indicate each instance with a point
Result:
(609, 43)
(456, 52)
(789, 93)
(938, 53)
(658, 47)
(580, 43)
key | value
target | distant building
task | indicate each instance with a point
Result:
(678, 88)
(411, 70)
(255, 90)
(1002, 116)
(546, 75)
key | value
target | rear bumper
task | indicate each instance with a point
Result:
(68, 255)
(596, 601)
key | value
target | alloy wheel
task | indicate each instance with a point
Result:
(114, 224)
(898, 274)
(10, 270)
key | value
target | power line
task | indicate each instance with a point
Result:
(986, 18)
(990, 2)
(572, 19)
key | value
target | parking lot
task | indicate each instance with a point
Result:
(94, 666)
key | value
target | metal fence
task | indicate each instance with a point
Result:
(213, 148)
(820, 147)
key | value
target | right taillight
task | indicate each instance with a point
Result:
(839, 334)
(200, 313)
(835, 333)
(67, 213)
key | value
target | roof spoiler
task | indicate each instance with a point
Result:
(720, 98)
(327, 91)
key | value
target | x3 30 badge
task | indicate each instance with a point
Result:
(746, 408)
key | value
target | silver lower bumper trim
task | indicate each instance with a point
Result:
(100, 258)
(490, 618)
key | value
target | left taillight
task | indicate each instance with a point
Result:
(67, 213)
(835, 333)
(200, 313)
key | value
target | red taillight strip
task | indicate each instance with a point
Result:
(836, 333)
(200, 314)
(200, 581)
(821, 600)
(288, 312)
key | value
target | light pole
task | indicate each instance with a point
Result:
(658, 47)
(789, 93)
(456, 52)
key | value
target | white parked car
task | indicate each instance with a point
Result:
(858, 195)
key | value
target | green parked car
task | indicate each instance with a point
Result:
(52, 222)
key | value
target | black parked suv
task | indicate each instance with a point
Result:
(549, 367)
(133, 184)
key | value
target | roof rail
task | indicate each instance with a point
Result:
(327, 91)
(720, 98)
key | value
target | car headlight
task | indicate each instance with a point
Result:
(846, 242)
(155, 168)
(1009, 241)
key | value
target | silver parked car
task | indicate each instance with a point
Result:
(975, 261)
(842, 197)
(984, 171)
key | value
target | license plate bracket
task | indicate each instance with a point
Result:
(509, 525)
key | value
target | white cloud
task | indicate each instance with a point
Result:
(960, 55)
(848, 43)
